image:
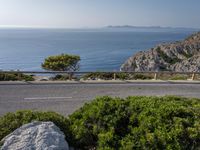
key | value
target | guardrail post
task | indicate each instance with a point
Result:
(19, 75)
(193, 76)
(114, 76)
(155, 76)
(70, 76)
(5, 76)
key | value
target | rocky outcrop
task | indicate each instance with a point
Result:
(179, 56)
(36, 136)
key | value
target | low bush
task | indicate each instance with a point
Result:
(172, 76)
(179, 77)
(137, 122)
(120, 76)
(15, 77)
(142, 77)
(60, 77)
(167, 58)
(98, 75)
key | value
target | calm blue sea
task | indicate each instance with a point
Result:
(100, 49)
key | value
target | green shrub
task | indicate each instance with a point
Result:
(15, 77)
(12, 121)
(27, 77)
(93, 120)
(179, 77)
(172, 76)
(132, 76)
(166, 58)
(99, 75)
(120, 76)
(60, 77)
(142, 77)
(123, 76)
(7, 77)
(187, 55)
(137, 123)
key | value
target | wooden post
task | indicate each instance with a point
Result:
(114, 76)
(70, 76)
(155, 76)
(19, 75)
(193, 76)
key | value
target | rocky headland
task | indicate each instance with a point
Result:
(183, 56)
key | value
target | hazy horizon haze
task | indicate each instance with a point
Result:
(98, 13)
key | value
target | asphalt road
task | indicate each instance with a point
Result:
(66, 98)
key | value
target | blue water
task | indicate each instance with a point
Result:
(100, 50)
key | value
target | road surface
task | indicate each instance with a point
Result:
(66, 98)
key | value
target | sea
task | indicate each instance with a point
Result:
(100, 49)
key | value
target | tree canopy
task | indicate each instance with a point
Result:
(63, 62)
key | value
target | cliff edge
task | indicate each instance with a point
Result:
(183, 56)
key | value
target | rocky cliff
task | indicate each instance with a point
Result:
(178, 56)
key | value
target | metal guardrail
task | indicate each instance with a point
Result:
(156, 73)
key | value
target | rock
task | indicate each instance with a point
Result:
(183, 56)
(41, 78)
(36, 136)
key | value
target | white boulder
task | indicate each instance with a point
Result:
(36, 136)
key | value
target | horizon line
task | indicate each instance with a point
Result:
(103, 27)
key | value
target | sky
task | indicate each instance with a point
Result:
(99, 13)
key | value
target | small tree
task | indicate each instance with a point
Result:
(63, 62)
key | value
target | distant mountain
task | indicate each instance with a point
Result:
(183, 56)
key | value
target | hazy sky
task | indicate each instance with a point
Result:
(98, 13)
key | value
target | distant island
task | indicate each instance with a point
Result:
(183, 56)
(129, 26)
(146, 27)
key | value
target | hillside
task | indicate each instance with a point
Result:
(177, 56)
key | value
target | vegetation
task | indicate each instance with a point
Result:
(166, 58)
(63, 62)
(120, 76)
(179, 77)
(15, 77)
(60, 77)
(99, 75)
(142, 77)
(187, 55)
(173, 76)
(137, 122)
